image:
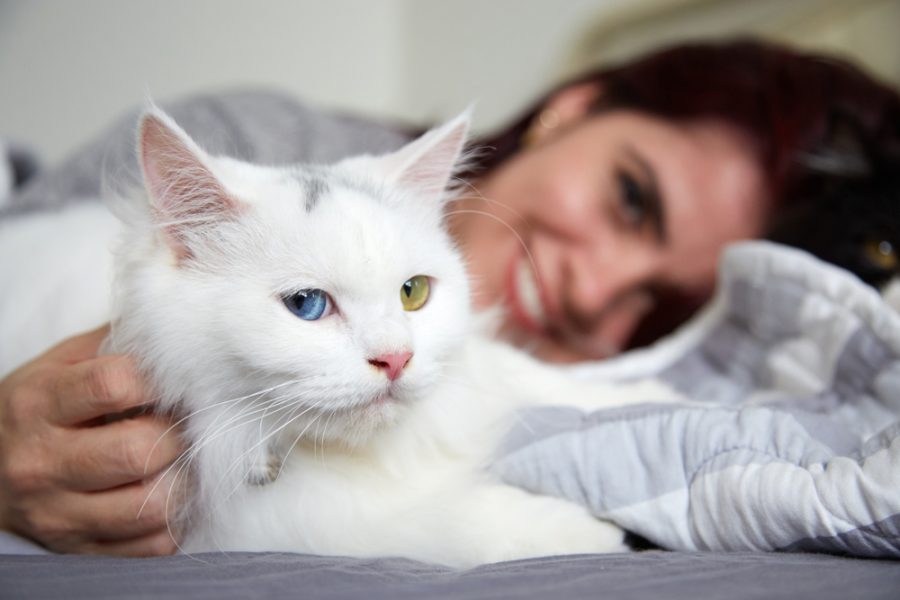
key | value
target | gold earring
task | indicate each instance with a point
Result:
(546, 120)
(549, 118)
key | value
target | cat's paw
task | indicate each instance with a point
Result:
(587, 535)
(533, 526)
(571, 534)
(266, 472)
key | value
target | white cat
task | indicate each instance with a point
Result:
(312, 325)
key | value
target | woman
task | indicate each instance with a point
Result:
(643, 173)
(620, 190)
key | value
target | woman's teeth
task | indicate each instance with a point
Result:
(529, 293)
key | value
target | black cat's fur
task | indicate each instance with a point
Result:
(846, 207)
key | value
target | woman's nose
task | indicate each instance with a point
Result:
(595, 277)
(570, 213)
(579, 278)
(605, 300)
(586, 294)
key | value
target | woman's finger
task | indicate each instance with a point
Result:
(119, 453)
(95, 388)
(139, 509)
(81, 347)
(72, 521)
(124, 513)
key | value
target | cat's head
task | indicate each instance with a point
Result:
(845, 208)
(331, 295)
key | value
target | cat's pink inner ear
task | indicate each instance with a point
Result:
(184, 192)
(426, 164)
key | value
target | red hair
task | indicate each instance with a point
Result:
(785, 101)
(782, 98)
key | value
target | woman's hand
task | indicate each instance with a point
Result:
(68, 478)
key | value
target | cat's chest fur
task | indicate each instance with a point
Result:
(420, 488)
(331, 499)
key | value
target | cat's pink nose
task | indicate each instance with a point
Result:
(392, 363)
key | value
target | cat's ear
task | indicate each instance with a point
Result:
(186, 196)
(425, 165)
(843, 150)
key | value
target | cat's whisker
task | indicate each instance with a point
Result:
(502, 222)
(181, 463)
(242, 418)
(239, 484)
(224, 420)
(237, 421)
(190, 454)
(236, 463)
(315, 439)
(169, 522)
(182, 458)
(204, 409)
(278, 404)
(298, 410)
(324, 434)
(477, 194)
(294, 443)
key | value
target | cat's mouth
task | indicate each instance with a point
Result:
(379, 401)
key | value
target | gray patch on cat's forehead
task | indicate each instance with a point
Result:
(314, 183)
(316, 187)
(317, 183)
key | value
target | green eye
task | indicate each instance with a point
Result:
(414, 292)
(881, 253)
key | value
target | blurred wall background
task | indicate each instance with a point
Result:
(68, 67)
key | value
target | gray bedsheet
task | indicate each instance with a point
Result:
(648, 575)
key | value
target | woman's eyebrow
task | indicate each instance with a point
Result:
(655, 208)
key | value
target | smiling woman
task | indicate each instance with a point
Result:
(611, 201)
(594, 217)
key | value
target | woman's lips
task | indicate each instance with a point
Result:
(524, 297)
(533, 313)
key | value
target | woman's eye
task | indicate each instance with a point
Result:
(632, 199)
(309, 305)
(881, 254)
(414, 292)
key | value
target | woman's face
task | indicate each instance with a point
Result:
(608, 228)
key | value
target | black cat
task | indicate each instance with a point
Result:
(845, 208)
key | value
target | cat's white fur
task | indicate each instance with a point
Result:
(298, 442)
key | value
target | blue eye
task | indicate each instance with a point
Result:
(309, 305)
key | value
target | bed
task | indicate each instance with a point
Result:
(654, 574)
